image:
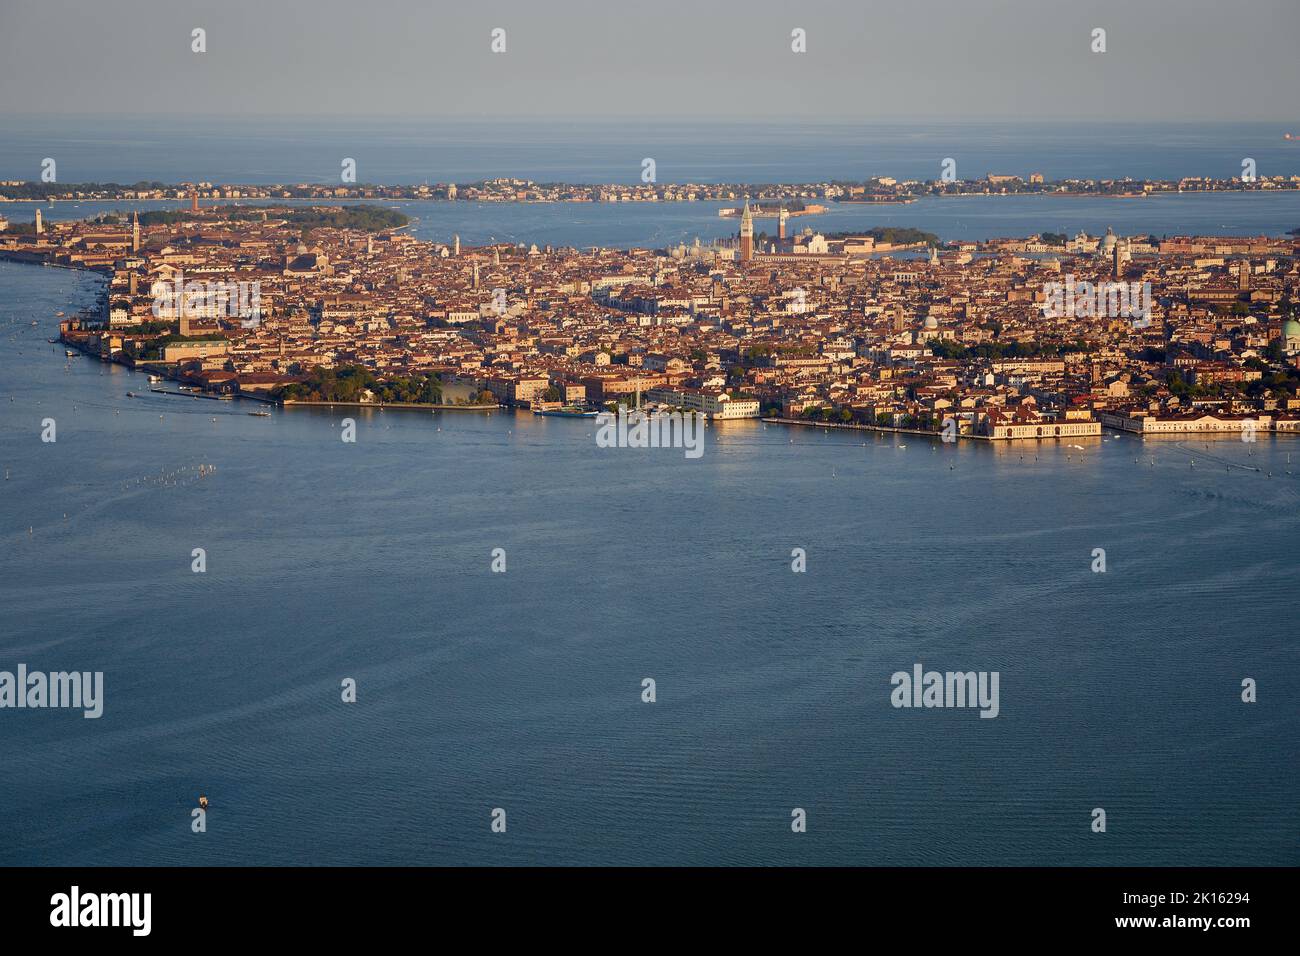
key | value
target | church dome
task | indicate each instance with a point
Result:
(1108, 241)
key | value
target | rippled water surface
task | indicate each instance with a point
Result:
(522, 690)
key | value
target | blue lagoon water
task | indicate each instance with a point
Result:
(522, 690)
(660, 225)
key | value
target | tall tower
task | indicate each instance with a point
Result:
(455, 245)
(746, 234)
(40, 227)
(194, 200)
(1243, 275)
(1121, 256)
(781, 219)
(135, 232)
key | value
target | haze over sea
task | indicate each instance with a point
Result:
(263, 150)
(522, 690)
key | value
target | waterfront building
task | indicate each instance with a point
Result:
(1026, 422)
(1147, 423)
(715, 404)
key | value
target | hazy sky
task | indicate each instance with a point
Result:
(1165, 59)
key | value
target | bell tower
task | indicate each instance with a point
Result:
(746, 234)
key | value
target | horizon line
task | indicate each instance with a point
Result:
(624, 118)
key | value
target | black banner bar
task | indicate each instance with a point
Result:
(336, 905)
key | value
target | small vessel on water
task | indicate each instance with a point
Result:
(261, 414)
(130, 394)
(69, 353)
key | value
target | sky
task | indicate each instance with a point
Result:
(1183, 60)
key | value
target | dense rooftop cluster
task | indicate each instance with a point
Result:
(802, 327)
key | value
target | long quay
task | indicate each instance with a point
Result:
(862, 427)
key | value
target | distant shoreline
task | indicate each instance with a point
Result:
(871, 190)
(855, 204)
